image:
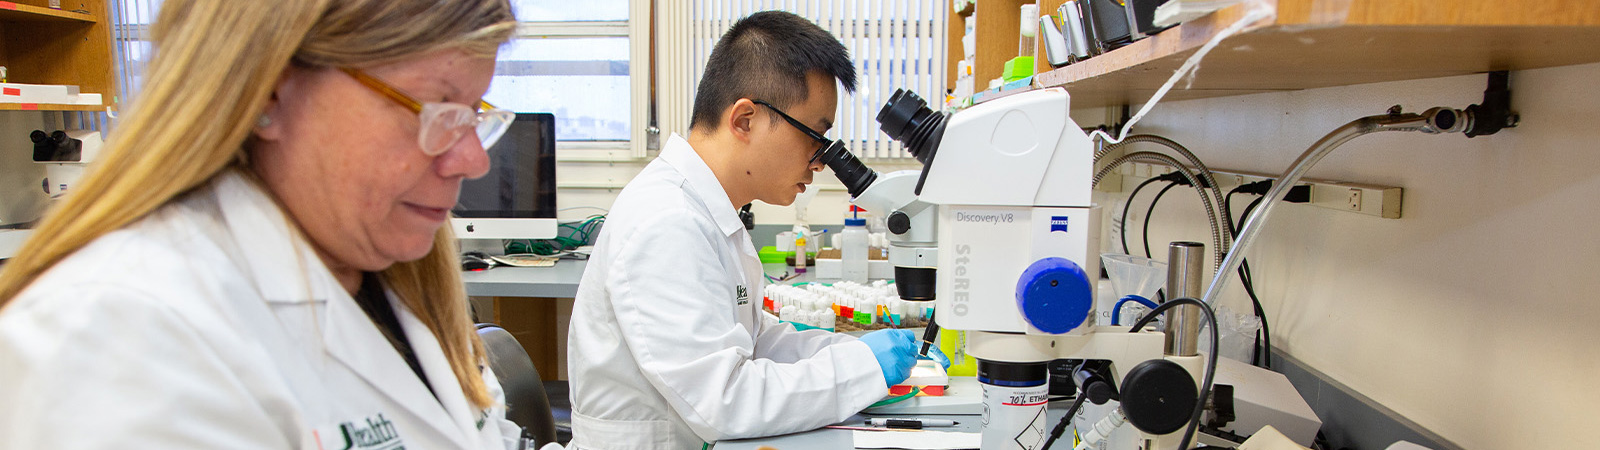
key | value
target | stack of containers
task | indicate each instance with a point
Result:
(817, 305)
(801, 307)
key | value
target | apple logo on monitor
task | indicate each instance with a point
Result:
(516, 199)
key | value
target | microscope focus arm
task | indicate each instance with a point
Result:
(913, 249)
(911, 222)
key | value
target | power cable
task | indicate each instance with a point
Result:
(1061, 426)
(1122, 223)
(1152, 210)
(1263, 354)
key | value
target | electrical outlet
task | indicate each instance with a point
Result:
(1353, 201)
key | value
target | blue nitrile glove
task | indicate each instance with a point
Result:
(937, 355)
(896, 351)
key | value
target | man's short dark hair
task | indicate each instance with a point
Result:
(766, 56)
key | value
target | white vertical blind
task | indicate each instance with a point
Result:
(130, 30)
(639, 78)
(894, 44)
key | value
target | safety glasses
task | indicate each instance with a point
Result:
(443, 123)
(813, 134)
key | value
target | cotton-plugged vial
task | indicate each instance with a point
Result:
(1028, 29)
(800, 253)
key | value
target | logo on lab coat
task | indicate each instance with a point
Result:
(741, 295)
(376, 433)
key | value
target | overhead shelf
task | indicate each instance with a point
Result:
(1322, 43)
(49, 107)
(12, 12)
(47, 46)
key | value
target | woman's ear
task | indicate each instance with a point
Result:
(269, 126)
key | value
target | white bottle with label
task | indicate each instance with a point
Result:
(853, 260)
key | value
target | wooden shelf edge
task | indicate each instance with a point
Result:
(1317, 13)
(49, 107)
(1183, 39)
(1288, 53)
(13, 11)
(1299, 15)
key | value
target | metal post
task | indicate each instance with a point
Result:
(1185, 269)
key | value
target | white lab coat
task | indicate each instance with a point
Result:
(209, 325)
(668, 345)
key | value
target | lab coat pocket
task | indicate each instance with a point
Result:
(372, 432)
(593, 433)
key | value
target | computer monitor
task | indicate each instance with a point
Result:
(517, 198)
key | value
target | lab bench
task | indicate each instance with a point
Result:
(534, 304)
(559, 281)
(831, 439)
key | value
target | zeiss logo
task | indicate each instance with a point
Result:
(1058, 223)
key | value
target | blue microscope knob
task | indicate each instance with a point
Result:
(1054, 295)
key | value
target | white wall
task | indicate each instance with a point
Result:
(1472, 314)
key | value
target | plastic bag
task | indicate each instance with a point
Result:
(1238, 338)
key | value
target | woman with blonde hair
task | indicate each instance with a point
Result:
(258, 260)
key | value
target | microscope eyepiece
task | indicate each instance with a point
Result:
(906, 118)
(855, 175)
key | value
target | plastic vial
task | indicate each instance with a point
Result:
(1028, 29)
(800, 253)
(853, 261)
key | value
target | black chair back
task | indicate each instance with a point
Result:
(526, 402)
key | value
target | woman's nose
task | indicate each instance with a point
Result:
(466, 158)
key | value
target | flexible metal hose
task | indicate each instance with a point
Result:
(1200, 167)
(1194, 180)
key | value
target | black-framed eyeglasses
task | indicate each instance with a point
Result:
(813, 134)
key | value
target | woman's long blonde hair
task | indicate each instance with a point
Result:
(215, 67)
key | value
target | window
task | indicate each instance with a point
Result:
(564, 10)
(131, 33)
(575, 62)
(583, 81)
(587, 65)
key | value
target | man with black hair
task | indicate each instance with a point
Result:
(668, 345)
